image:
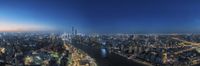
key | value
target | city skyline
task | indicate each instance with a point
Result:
(101, 16)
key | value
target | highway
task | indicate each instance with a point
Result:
(193, 44)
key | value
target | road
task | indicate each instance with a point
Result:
(193, 44)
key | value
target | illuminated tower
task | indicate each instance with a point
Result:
(164, 57)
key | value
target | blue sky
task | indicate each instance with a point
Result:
(104, 15)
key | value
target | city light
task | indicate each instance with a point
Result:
(99, 33)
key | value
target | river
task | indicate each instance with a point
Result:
(111, 60)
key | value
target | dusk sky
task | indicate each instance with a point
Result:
(101, 15)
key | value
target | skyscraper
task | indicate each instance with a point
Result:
(72, 30)
(76, 31)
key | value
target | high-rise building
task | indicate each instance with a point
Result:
(76, 31)
(72, 30)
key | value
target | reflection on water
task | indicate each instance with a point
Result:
(103, 53)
